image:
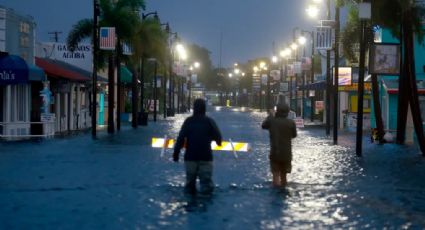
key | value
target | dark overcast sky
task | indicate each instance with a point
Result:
(248, 27)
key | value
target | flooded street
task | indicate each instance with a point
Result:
(120, 182)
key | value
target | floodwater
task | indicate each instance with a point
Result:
(120, 182)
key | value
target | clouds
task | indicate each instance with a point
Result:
(248, 27)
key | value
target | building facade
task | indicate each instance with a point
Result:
(18, 74)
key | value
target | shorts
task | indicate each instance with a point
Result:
(280, 166)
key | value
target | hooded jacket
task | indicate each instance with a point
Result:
(281, 131)
(197, 132)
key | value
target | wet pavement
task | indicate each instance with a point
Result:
(120, 182)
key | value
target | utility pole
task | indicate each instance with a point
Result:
(328, 80)
(336, 81)
(94, 74)
(56, 33)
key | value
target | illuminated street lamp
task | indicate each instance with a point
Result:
(182, 55)
(312, 11)
(192, 68)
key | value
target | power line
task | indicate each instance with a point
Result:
(55, 35)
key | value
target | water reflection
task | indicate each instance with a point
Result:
(124, 177)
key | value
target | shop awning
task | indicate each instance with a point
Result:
(36, 73)
(13, 70)
(59, 69)
(320, 85)
(391, 86)
(126, 75)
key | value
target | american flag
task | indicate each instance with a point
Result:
(107, 38)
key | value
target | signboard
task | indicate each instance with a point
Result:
(81, 57)
(264, 79)
(151, 105)
(297, 67)
(344, 76)
(256, 82)
(107, 38)
(275, 75)
(384, 59)
(299, 122)
(290, 70)
(13, 70)
(319, 106)
(194, 78)
(126, 49)
(324, 38)
(180, 69)
(284, 87)
(47, 117)
(306, 63)
(354, 87)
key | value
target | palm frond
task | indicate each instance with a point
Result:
(83, 29)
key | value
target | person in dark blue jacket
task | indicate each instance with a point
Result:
(196, 134)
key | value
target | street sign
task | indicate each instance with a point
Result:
(275, 75)
(327, 23)
(299, 122)
(284, 87)
(324, 38)
(47, 117)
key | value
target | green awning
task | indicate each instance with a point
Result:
(126, 75)
(36, 73)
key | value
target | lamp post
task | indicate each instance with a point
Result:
(182, 55)
(142, 71)
(302, 41)
(264, 68)
(311, 33)
(192, 68)
(94, 74)
(294, 48)
(167, 30)
(313, 12)
(336, 81)
(170, 110)
(285, 54)
(155, 90)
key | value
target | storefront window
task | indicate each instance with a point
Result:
(20, 99)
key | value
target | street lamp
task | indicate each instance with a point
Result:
(311, 33)
(94, 76)
(182, 56)
(328, 74)
(195, 65)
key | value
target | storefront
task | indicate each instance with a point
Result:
(349, 106)
(71, 94)
(17, 96)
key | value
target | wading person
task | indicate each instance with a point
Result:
(196, 134)
(281, 131)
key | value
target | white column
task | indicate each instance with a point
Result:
(72, 106)
(57, 111)
(8, 106)
(78, 106)
(65, 120)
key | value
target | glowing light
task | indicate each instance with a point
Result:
(312, 11)
(302, 40)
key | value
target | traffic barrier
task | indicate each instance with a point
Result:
(225, 145)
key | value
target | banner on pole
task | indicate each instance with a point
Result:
(324, 38)
(107, 38)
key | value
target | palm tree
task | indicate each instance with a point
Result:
(149, 40)
(403, 18)
(121, 14)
